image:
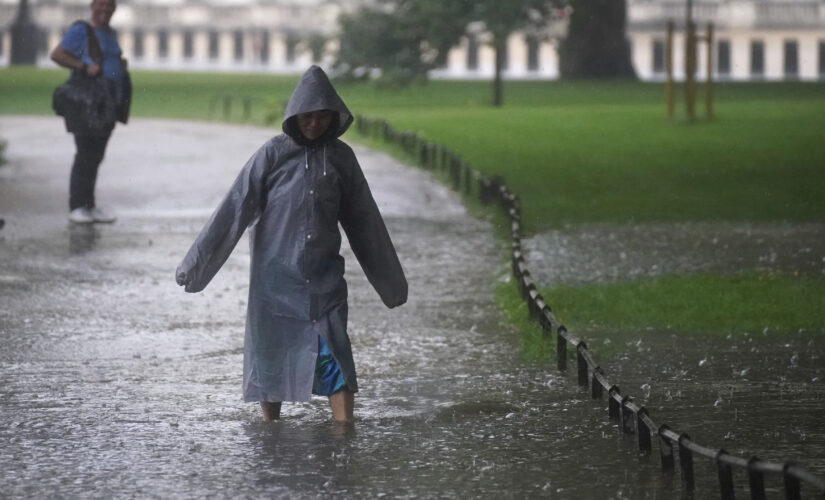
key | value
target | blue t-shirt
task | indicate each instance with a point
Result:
(74, 41)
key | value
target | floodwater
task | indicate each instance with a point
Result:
(599, 253)
(115, 383)
(752, 393)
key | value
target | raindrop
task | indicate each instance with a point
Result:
(703, 361)
(795, 359)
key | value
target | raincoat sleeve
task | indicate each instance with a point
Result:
(239, 208)
(370, 241)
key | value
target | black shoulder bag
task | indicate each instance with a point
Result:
(83, 101)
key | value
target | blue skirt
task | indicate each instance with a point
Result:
(328, 378)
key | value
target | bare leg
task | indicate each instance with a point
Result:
(342, 403)
(272, 411)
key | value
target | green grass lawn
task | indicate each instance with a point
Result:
(574, 160)
(579, 153)
(574, 153)
(743, 303)
(157, 94)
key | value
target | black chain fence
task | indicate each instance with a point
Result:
(631, 418)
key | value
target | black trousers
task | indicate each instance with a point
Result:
(87, 158)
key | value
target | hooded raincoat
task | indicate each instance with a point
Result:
(292, 194)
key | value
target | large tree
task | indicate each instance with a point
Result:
(405, 39)
(402, 39)
(500, 20)
(596, 45)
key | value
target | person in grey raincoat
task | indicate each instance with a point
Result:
(292, 194)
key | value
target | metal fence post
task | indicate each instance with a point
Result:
(725, 473)
(666, 449)
(596, 389)
(561, 349)
(645, 444)
(756, 480)
(792, 486)
(533, 306)
(227, 106)
(686, 463)
(467, 174)
(247, 108)
(613, 405)
(581, 363)
(626, 420)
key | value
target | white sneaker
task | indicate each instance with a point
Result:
(81, 215)
(100, 215)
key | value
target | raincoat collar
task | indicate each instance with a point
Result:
(314, 92)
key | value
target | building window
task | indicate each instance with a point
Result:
(472, 53)
(163, 44)
(658, 56)
(138, 44)
(532, 53)
(237, 43)
(791, 59)
(723, 57)
(188, 44)
(291, 44)
(214, 42)
(822, 59)
(757, 58)
(263, 40)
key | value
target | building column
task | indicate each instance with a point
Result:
(226, 49)
(517, 55)
(549, 59)
(150, 47)
(175, 55)
(809, 56)
(774, 57)
(200, 47)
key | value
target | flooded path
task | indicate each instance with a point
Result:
(114, 383)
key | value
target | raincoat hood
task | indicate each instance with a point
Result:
(314, 92)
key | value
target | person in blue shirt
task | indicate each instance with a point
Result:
(73, 53)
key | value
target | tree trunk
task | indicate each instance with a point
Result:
(499, 47)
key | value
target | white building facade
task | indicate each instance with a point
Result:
(753, 39)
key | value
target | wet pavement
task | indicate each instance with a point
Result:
(115, 383)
